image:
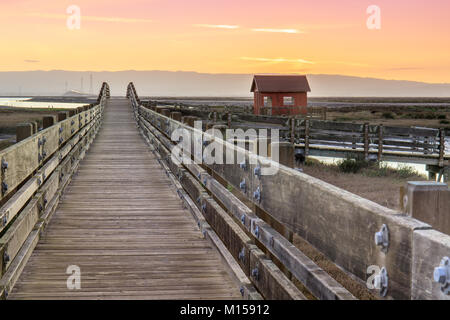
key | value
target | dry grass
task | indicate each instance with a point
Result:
(393, 118)
(378, 184)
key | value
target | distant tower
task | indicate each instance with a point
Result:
(81, 90)
(91, 85)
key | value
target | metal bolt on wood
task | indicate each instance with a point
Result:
(242, 185)
(255, 273)
(381, 282)
(441, 275)
(4, 165)
(382, 238)
(257, 171)
(242, 255)
(257, 194)
(4, 187)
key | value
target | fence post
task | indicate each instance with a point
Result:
(380, 142)
(23, 131)
(62, 116)
(428, 202)
(307, 124)
(366, 141)
(286, 153)
(176, 115)
(292, 129)
(441, 147)
(48, 121)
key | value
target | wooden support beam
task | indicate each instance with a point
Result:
(429, 202)
(35, 126)
(430, 246)
(48, 121)
(62, 115)
(176, 115)
(23, 131)
(286, 153)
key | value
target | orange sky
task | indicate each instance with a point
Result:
(321, 36)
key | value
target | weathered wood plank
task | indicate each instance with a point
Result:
(429, 247)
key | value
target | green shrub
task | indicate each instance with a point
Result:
(442, 117)
(350, 165)
(405, 171)
(388, 115)
(444, 122)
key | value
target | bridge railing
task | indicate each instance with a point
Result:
(317, 137)
(34, 174)
(341, 225)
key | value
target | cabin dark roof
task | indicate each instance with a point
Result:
(280, 83)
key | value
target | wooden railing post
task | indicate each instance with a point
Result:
(286, 153)
(48, 121)
(366, 141)
(428, 201)
(292, 129)
(380, 142)
(23, 131)
(441, 147)
(307, 124)
(62, 116)
(176, 116)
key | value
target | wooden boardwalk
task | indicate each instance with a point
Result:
(124, 226)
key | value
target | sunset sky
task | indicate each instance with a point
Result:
(215, 36)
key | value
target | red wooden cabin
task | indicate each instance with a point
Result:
(280, 94)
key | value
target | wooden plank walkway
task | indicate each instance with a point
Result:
(124, 226)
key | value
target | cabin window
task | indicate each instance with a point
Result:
(267, 102)
(288, 101)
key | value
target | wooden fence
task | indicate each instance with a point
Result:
(317, 137)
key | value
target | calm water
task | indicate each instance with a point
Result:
(26, 103)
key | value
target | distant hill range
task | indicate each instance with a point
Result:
(192, 84)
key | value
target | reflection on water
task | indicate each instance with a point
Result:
(25, 103)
